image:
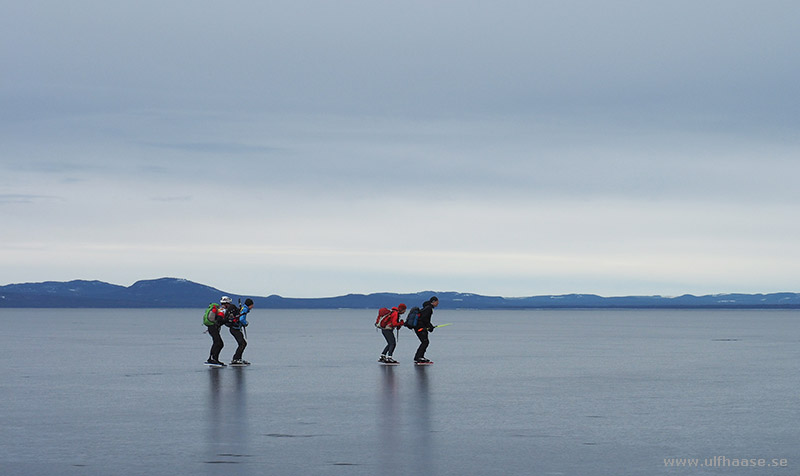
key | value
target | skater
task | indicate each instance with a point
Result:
(422, 329)
(213, 320)
(236, 331)
(391, 323)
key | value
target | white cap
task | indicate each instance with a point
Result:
(224, 300)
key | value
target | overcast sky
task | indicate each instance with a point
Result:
(318, 148)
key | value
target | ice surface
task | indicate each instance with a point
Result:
(96, 392)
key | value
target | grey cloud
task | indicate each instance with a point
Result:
(58, 167)
(421, 58)
(214, 147)
(8, 198)
(176, 198)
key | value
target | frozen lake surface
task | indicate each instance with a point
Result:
(589, 392)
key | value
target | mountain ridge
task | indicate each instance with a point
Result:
(181, 293)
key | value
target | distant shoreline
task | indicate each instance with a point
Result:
(510, 309)
(176, 293)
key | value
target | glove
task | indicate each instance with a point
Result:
(431, 328)
(400, 323)
(246, 324)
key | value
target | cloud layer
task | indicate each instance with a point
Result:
(312, 148)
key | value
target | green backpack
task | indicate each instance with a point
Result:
(210, 317)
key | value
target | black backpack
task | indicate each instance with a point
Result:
(231, 318)
(413, 318)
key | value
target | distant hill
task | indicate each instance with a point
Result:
(164, 292)
(181, 293)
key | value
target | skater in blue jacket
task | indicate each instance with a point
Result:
(236, 328)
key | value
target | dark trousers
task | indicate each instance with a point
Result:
(391, 342)
(423, 343)
(237, 334)
(216, 342)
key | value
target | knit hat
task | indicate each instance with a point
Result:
(401, 307)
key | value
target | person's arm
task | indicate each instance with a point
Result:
(395, 320)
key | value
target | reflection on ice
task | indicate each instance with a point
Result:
(227, 423)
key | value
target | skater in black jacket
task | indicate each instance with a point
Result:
(422, 329)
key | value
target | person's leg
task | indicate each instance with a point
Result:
(391, 342)
(423, 344)
(213, 342)
(239, 336)
(217, 343)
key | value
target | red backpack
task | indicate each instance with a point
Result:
(383, 318)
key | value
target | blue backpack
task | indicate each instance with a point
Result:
(413, 318)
